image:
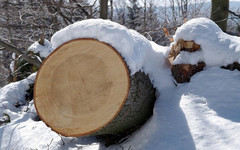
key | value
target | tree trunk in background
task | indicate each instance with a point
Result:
(103, 9)
(219, 13)
(111, 13)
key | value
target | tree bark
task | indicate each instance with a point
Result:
(111, 13)
(104, 9)
(219, 13)
(137, 109)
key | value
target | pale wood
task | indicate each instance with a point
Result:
(191, 45)
(182, 45)
(81, 87)
(188, 44)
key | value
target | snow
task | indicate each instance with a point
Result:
(130, 44)
(12, 94)
(12, 62)
(217, 47)
(202, 114)
(43, 50)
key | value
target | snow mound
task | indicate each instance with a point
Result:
(130, 44)
(217, 47)
(12, 94)
(211, 106)
(43, 50)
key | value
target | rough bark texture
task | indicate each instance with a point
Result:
(183, 72)
(219, 13)
(135, 112)
(103, 9)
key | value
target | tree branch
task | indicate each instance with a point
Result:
(84, 11)
(58, 10)
(233, 13)
(31, 60)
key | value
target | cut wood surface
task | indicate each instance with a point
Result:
(81, 87)
(181, 45)
(84, 88)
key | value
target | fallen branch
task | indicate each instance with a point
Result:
(32, 60)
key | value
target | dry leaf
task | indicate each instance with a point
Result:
(166, 32)
(185, 20)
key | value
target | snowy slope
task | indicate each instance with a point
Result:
(202, 114)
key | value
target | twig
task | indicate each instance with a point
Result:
(62, 15)
(13, 49)
(129, 148)
(62, 139)
(49, 144)
(233, 13)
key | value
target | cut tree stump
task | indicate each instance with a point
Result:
(84, 88)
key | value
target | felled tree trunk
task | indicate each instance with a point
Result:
(84, 88)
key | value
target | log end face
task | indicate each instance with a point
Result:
(81, 87)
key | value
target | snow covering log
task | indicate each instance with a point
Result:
(85, 88)
(181, 45)
(183, 72)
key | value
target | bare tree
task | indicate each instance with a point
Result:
(120, 12)
(234, 22)
(22, 22)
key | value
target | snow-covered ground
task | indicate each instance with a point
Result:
(202, 114)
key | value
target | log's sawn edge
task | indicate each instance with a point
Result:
(135, 109)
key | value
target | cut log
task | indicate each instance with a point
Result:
(84, 88)
(182, 72)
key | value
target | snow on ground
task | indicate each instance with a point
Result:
(202, 114)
